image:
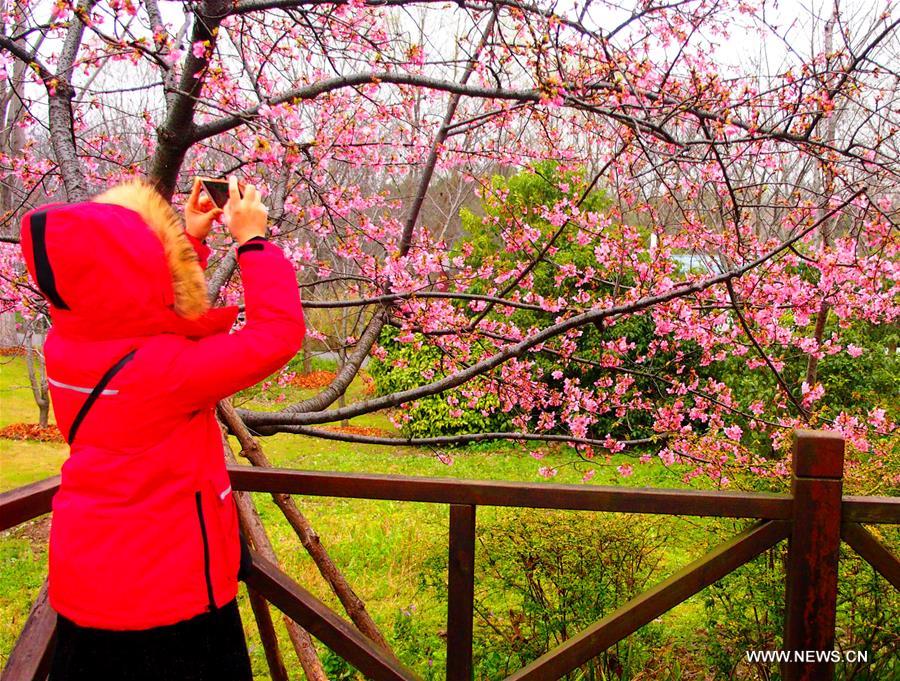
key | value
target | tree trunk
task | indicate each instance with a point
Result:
(12, 140)
(59, 108)
(352, 603)
(37, 376)
(252, 525)
(812, 364)
(8, 336)
(174, 135)
(825, 231)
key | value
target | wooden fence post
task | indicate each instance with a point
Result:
(461, 592)
(812, 564)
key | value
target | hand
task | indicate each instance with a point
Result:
(199, 212)
(245, 217)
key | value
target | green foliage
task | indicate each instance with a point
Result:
(337, 668)
(523, 195)
(865, 382)
(852, 384)
(23, 566)
(868, 612)
(745, 611)
(407, 366)
(416, 643)
(544, 576)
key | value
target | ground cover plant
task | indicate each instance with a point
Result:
(540, 576)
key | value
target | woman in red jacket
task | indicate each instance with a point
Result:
(144, 547)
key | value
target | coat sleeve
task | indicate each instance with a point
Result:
(204, 371)
(201, 248)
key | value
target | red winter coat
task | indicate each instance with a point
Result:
(144, 529)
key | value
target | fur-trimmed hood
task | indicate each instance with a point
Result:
(119, 265)
(188, 282)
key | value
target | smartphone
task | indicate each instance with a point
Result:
(218, 190)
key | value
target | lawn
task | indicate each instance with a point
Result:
(388, 550)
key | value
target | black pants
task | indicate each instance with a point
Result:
(209, 647)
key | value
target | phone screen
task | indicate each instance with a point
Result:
(217, 190)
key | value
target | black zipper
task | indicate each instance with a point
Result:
(209, 589)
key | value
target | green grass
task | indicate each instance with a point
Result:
(382, 547)
(16, 401)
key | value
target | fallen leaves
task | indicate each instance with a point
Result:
(362, 430)
(314, 379)
(31, 431)
(322, 379)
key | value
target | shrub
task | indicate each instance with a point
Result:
(409, 366)
(745, 611)
(544, 576)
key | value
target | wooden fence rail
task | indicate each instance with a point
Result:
(814, 518)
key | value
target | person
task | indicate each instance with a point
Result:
(144, 543)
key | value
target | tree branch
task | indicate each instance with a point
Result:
(444, 440)
(762, 353)
(368, 338)
(257, 419)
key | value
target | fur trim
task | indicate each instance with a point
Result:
(188, 282)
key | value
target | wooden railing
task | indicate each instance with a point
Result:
(814, 518)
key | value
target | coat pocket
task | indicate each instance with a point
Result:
(204, 534)
(226, 514)
(222, 528)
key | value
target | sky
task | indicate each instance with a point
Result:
(794, 30)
